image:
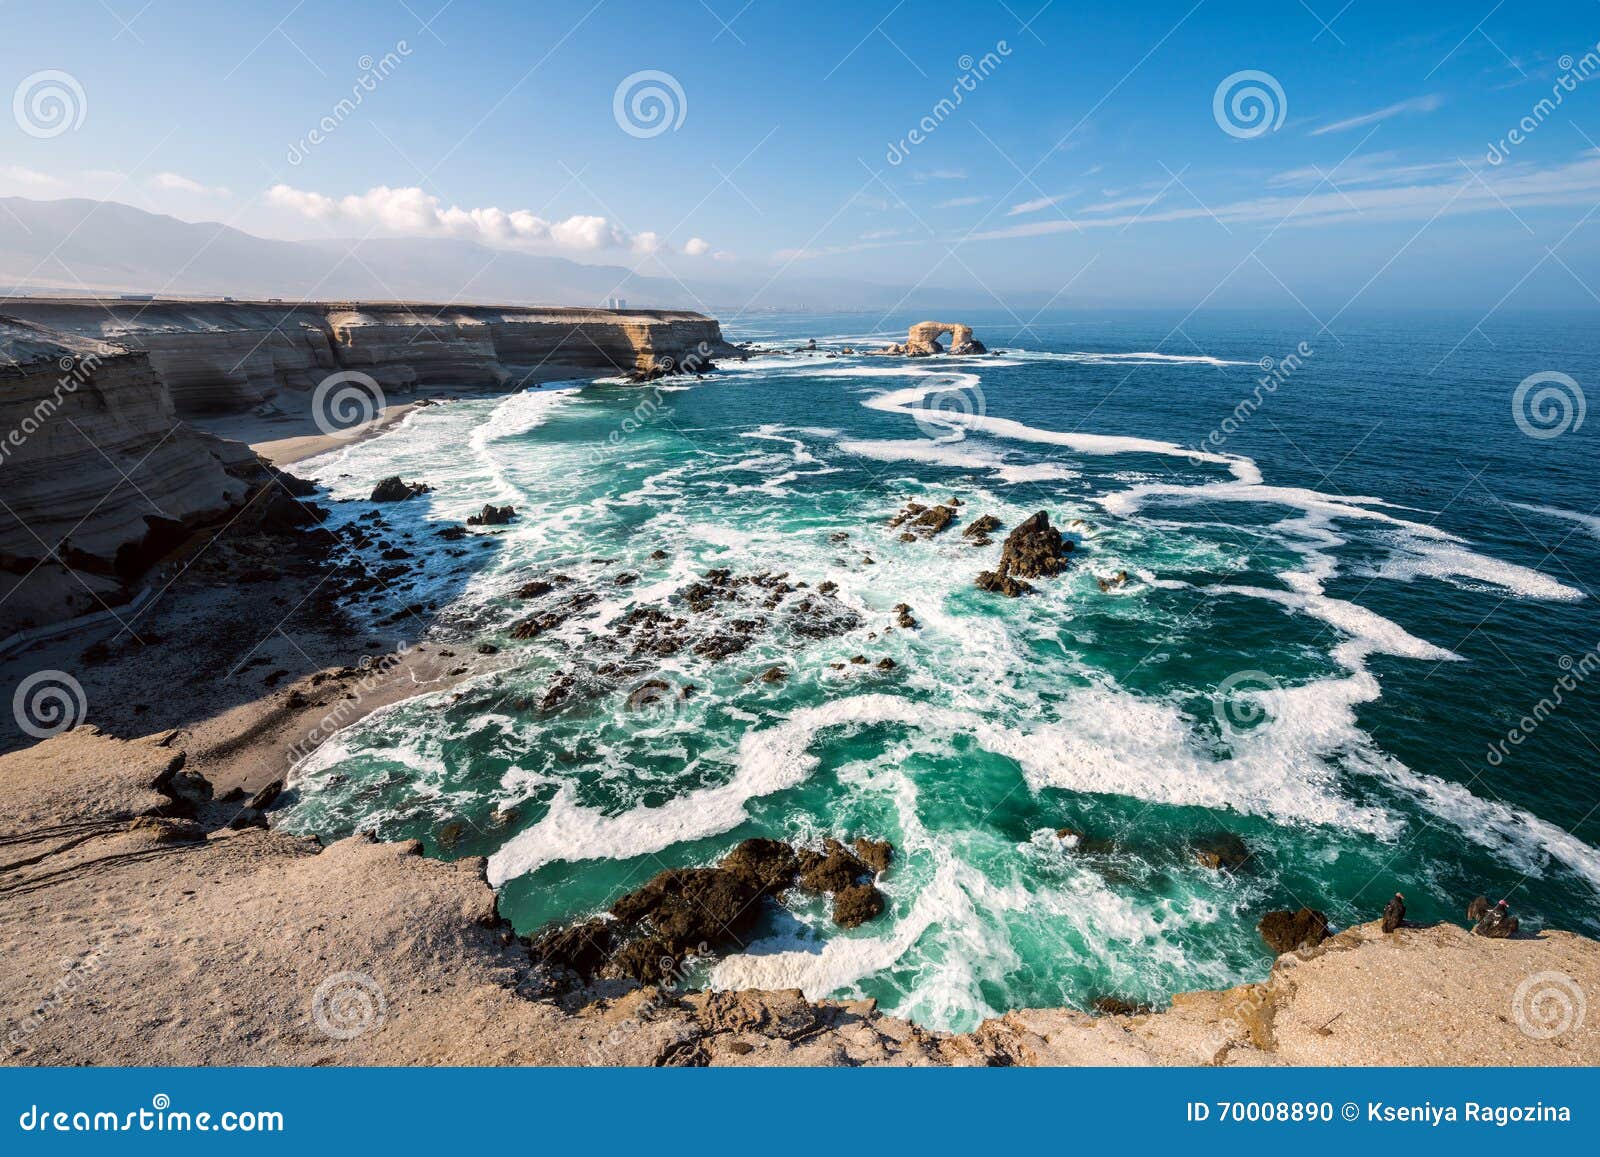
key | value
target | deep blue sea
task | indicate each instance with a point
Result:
(1358, 631)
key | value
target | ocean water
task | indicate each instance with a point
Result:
(1340, 598)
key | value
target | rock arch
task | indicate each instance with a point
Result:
(923, 338)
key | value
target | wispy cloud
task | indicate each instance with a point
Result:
(1415, 104)
(958, 202)
(1036, 204)
(1577, 183)
(178, 183)
(940, 175)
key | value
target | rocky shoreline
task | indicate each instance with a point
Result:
(149, 913)
(144, 925)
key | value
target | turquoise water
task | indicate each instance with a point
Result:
(1331, 614)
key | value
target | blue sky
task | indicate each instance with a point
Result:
(1090, 159)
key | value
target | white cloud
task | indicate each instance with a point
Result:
(958, 202)
(1577, 183)
(697, 247)
(1034, 205)
(178, 183)
(1415, 104)
(413, 212)
(28, 178)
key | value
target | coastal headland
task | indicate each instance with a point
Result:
(151, 914)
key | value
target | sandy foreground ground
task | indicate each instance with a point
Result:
(147, 918)
(283, 439)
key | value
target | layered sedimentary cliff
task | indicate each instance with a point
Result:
(96, 473)
(221, 357)
(102, 470)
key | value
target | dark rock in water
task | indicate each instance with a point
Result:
(981, 526)
(1035, 549)
(392, 489)
(1117, 580)
(1291, 931)
(827, 587)
(650, 960)
(453, 533)
(1222, 851)
(292, 485)
(833, 868)
(488, 649)
(651, 693)
(1116, 1006)
(774, 675)
(856, 904)
(492, 515)
(658, 555)
(284, 515)
(876, 854)
(581, 948)
(772, 863)
(1001, 583)
(1394, 913)
(820, 617)
(885, 664)
(926, 521)
(687, 907)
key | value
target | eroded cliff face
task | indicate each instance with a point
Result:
(224, 357)
(103, 471)
(97, 473)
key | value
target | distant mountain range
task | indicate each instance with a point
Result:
(80, 246)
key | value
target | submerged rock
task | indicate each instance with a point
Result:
(1221, 851)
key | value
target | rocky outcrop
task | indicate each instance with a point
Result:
(433, 976)
(1292, 931)
(1035, 549)
(220, 357)
(923, 339)
(100, 476)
